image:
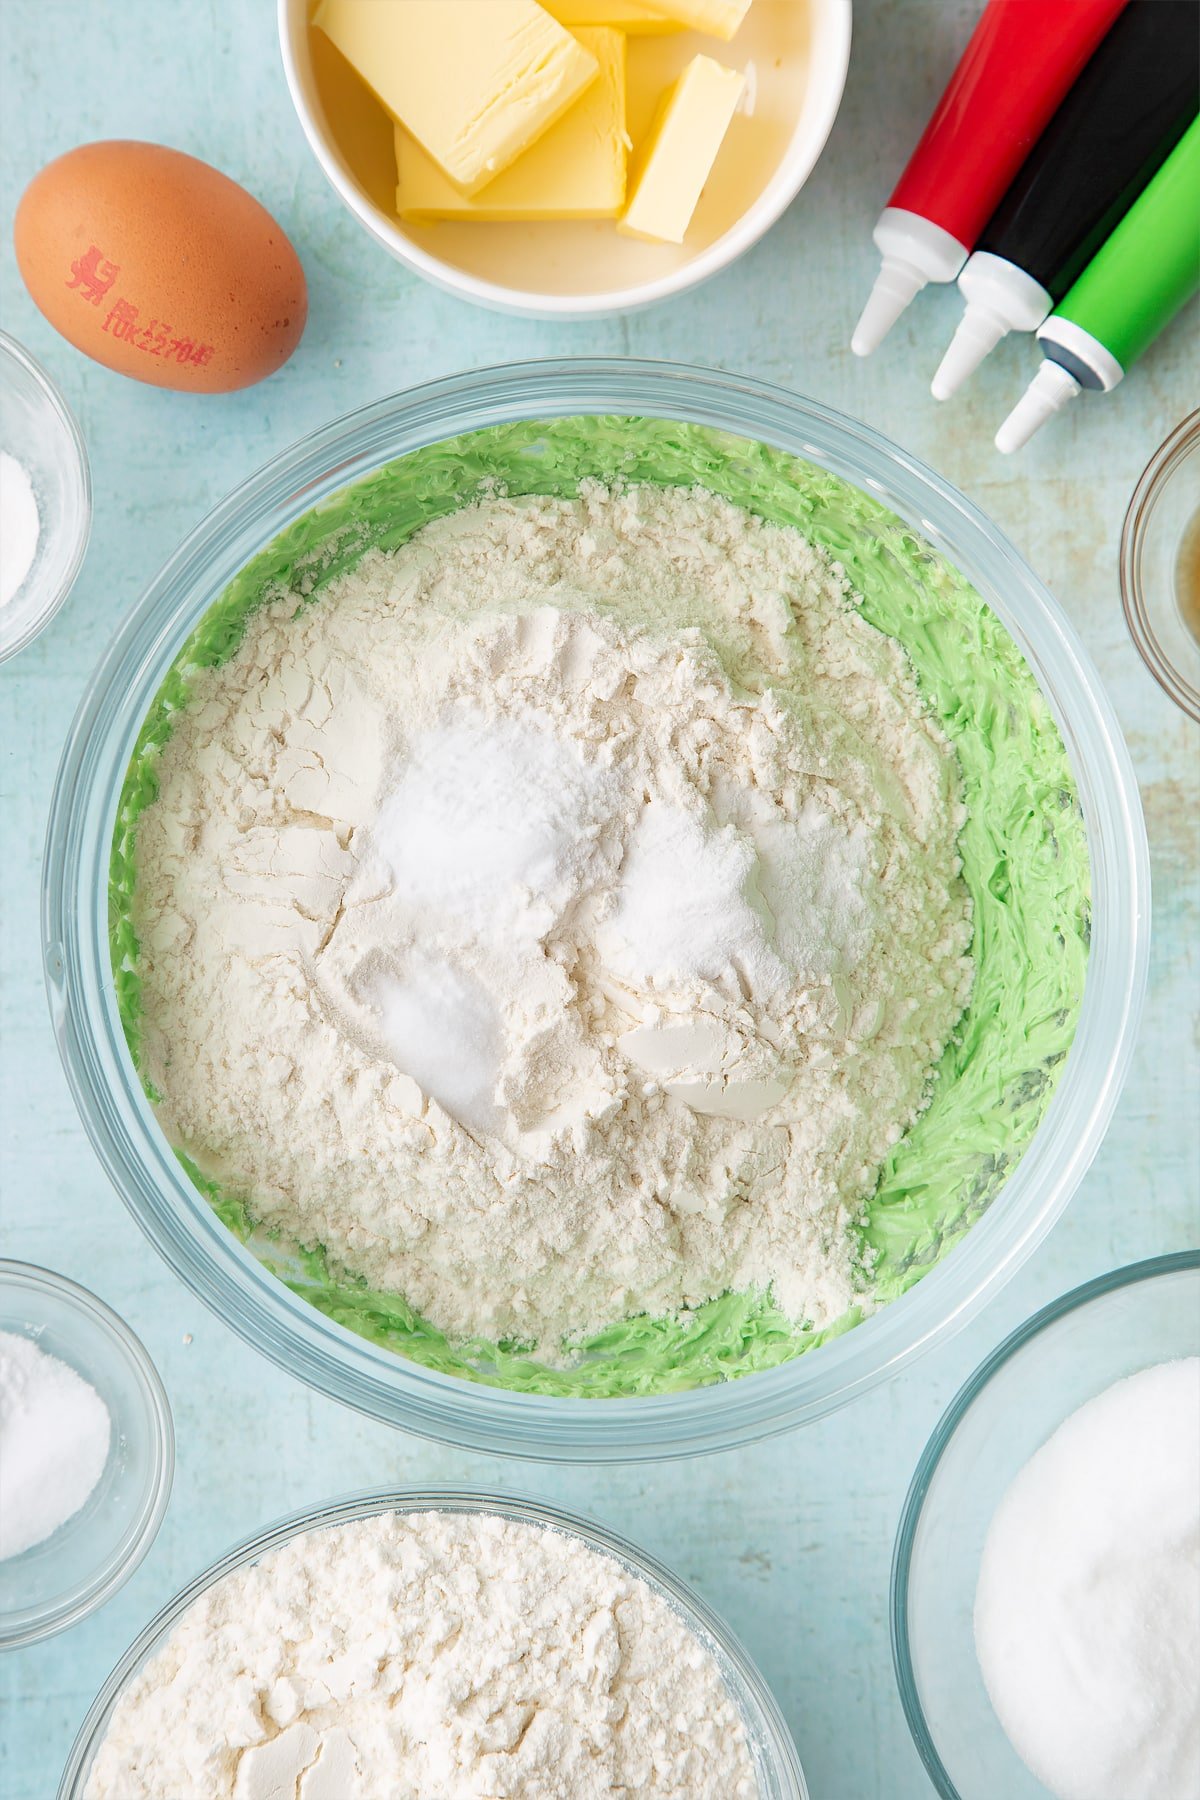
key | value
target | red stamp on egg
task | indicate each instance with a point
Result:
(92, 276)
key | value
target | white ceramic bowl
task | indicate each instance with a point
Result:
(38, 429)
(800, 50)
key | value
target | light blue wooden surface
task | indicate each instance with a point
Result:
(790, 1540)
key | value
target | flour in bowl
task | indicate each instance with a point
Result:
(428, 1656)
(559, 919)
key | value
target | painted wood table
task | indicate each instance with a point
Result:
(791, 1540)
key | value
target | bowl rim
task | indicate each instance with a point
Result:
(1152, 1268)
(16, 351)
(696, 1612)
(256, 1304)
(30, 1625)
(782, 187)
(1172, 453)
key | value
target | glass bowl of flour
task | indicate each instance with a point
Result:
(88, 1453)
(1051, 1519)
(453, 1641)
(595, 909)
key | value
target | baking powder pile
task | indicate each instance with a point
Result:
(431, 1656)
(54, 1437)
(559, 919)
(1087, 1610)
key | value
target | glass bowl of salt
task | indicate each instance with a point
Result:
(87, 1452)
(45, 498)
(1047, 1566)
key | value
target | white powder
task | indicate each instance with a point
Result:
(560, 919)
(54, 1438)
(490, 823)
(682, 912)
(1087, 1611)
(19, 526)
(444, 1031)
(431, 1656)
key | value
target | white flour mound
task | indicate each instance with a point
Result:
(559, 920)
(431, 1656)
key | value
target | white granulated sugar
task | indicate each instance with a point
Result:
(1087, 1609)
(560, 918)
(54, 1438)
(20, 526)
(433, 1656)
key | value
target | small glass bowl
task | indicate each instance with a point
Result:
(59, 1581)
(1165, 503)
(776, 1763)
(39, 430)
(1062, 1357)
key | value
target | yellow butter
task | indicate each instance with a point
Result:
(677, 158)
(576, 170)
(717, 18)
(635, 17)
(475, 81)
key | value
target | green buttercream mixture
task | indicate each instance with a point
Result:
(1023, 849)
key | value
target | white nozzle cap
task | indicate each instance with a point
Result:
(1047, 393)
(979, 331)
(914, 251)
(1000, 298)
(896, 285)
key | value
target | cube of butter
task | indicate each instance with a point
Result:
(635, 17)
(675, 162)
(475, 81)
(717, 18)
(576, 170)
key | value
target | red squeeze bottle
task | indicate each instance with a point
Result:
(1022, 60)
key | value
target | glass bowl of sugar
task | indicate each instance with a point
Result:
(45, 498)
(1046, 1566)
(87, 1453)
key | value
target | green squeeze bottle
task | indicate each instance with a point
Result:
(1133, 287)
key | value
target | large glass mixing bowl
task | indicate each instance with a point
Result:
(178, 1218)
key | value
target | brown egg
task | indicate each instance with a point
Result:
(160, 267)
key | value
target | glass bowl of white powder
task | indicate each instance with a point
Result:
(88, 1453)
(442, 1583)
(45, 498)
(1003, 1194)
(1075, 1527)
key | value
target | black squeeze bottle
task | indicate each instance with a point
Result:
(1134, 100)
